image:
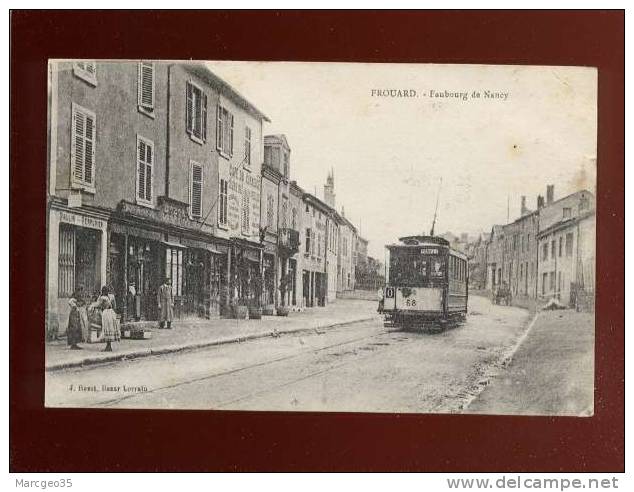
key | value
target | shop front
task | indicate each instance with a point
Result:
(76, 263)
(148, 246)
(246, 273)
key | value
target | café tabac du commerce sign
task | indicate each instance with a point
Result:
(168, 211)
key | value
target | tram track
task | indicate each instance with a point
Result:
(277, 360)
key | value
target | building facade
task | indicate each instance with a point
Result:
(281, 205)
(346, 254)
(520, 266)
(566, 247)
(315, 224)
(154, 172)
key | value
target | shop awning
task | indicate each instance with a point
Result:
(174, 245)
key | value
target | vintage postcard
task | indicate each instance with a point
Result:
(349, 237)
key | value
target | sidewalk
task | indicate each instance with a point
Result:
(193, 334)
(552, 372)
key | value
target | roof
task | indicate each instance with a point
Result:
(313, 200)
(568, 196)
(562, 224)
(277, 139)
(224, 88)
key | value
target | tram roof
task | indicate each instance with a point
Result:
(407, 242)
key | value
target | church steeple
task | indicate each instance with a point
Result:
(329, 189)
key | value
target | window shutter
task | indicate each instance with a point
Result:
(146, 85)
(141, 169)
(90, 67)
(231, 137)
(196, 190)
(219, 127)
(148, 173)
(190, 107)
(89, 161)
(204, 103)
(77, 151)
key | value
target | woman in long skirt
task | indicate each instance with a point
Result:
(109, 321)
(74, 333)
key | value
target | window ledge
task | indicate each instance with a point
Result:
(147, 112)
(196, 139)
(224, 227)
(85, 76)
(144, 203)
(225, 155)
(84, 188)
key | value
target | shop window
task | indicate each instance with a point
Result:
(196, 113)
(223, 203)
(196, 190)
(83, 146)
(77, 263)
(66, 267)
(145, 88)
(224, 131)
(174, 269)
(145, 170)
(86, 70)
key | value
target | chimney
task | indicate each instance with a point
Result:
(523, 209)
(550, 194)
(540, 202)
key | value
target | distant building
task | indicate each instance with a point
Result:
(566, 246)
(520, 259)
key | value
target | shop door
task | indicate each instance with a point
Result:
(143, 270)
(196, 287)
(306, 288)
(116, 280)
(87, 273)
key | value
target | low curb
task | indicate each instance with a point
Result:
(115, 357)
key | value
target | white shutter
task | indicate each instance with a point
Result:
(146, 86)
(196, 189)
(145, 161)
(140, 169)
(231, 136)
(84, 137)
(190, 107)
(89, 157)
(149, 160)
(204, 116)
(77, 150)
(219, 127)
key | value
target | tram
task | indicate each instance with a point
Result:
(427, 283)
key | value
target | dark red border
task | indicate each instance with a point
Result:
(72, 440)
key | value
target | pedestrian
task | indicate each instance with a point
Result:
(109, 321)
(74, 333)
(165, 298)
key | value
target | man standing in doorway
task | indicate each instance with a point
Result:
(166, 304)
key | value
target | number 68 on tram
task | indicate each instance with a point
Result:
(426, 281)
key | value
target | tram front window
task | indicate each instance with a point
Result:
(410, 270)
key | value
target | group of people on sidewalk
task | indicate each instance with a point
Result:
(101, 315)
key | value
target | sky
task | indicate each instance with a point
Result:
(389, 154)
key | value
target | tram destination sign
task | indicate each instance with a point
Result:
(429, 251)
